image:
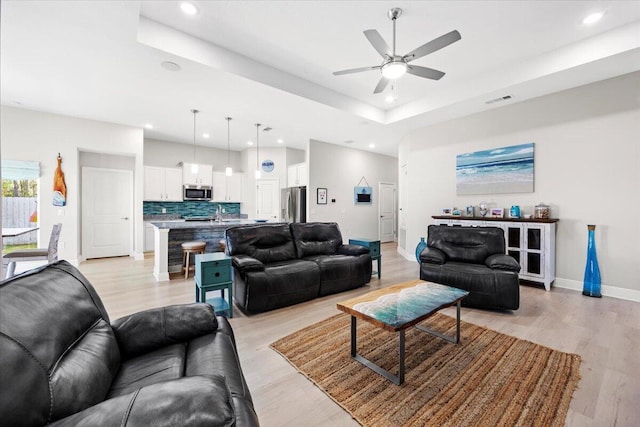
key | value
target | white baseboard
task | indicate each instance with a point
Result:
(606, 290)
(139, 256)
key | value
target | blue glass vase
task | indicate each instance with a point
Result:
(420, 247)
(592, 282)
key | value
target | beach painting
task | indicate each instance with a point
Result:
(499, 170)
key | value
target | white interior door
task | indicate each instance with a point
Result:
(387, 211)
(268, 203)
(107, 213)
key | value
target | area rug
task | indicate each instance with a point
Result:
(489, 379)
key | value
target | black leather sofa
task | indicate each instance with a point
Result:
(473, 259)
(63, 363)
(277, 265)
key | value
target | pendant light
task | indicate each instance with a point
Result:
(194, 165)
(228, 171)
(258, 150)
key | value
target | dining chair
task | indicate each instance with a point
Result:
(50, 253)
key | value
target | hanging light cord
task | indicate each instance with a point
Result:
(257, 147)
(194, 111)
(228, 142)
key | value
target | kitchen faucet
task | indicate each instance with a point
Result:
(219, 214)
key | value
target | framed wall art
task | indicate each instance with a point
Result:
(494, 171)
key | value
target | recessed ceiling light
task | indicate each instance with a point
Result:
(188, 8)
(280, 141)
(171, 66)
(372, 145)
(249, 142)
(148, 126)
(593, 18)
(205, 135)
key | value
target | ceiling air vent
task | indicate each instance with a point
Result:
(500, 99)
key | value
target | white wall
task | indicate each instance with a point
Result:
(339, 169)
(169, 154)
(587, 157)
(31, 135)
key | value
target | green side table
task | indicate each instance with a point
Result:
(374, 250)
(214, 273)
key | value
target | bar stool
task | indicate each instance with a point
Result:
(191, 248)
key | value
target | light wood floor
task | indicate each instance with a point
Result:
(605, 332)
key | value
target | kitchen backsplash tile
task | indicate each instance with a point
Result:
(189, 208)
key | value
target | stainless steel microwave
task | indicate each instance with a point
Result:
(196, 192)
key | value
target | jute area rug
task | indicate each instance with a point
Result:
(489, 379)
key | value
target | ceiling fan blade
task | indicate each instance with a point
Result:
(356, 70)
(378, 43)
(427, 73)
(381, 85)
(433, 45)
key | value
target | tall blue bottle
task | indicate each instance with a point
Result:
(420, 247)
(592, 282)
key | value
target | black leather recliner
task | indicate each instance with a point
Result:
(62, 362)
(277, 265)
(473, 259)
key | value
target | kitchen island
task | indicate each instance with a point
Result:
(169, 236)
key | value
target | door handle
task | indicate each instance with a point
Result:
(125, 218)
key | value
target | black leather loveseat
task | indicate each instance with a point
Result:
(277, 265)
(473, 259)
(62, 362)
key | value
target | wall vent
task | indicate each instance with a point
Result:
(500, 99)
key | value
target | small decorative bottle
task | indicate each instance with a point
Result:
(591, 287)
(420, 247)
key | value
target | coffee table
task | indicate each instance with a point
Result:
(397, 308)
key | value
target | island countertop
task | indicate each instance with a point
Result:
(181, 224)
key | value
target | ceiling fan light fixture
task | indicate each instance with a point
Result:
(394, 69)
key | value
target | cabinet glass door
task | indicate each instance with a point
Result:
(534, 238)
(513, 237)
(515, 255)
(534, 263)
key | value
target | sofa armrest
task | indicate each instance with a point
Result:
(245, 263)
(433, 256)
(152, 329)
(502, 262)
(353, 250)
(188, 401)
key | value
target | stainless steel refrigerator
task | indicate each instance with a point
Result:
(293, 202)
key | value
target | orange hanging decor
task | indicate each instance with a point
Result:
(59, 187)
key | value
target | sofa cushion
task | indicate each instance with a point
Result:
(316, 238)
(151, 329)
(166, 363)
(280, 284)
(188, 401)
(265, 242)
(466, 244)
(58, 353)
(339, 273)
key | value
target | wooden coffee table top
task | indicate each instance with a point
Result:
(401, 306)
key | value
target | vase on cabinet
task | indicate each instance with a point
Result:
(421, 245)
(592, 281)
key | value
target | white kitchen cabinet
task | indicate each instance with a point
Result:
(204, 175)
(297, 175)
(148, 237)
(162, 184)
(227, 188)
(531, 242)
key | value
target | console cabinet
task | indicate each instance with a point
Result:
(531, 242)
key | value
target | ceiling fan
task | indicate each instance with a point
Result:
(394, 65)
